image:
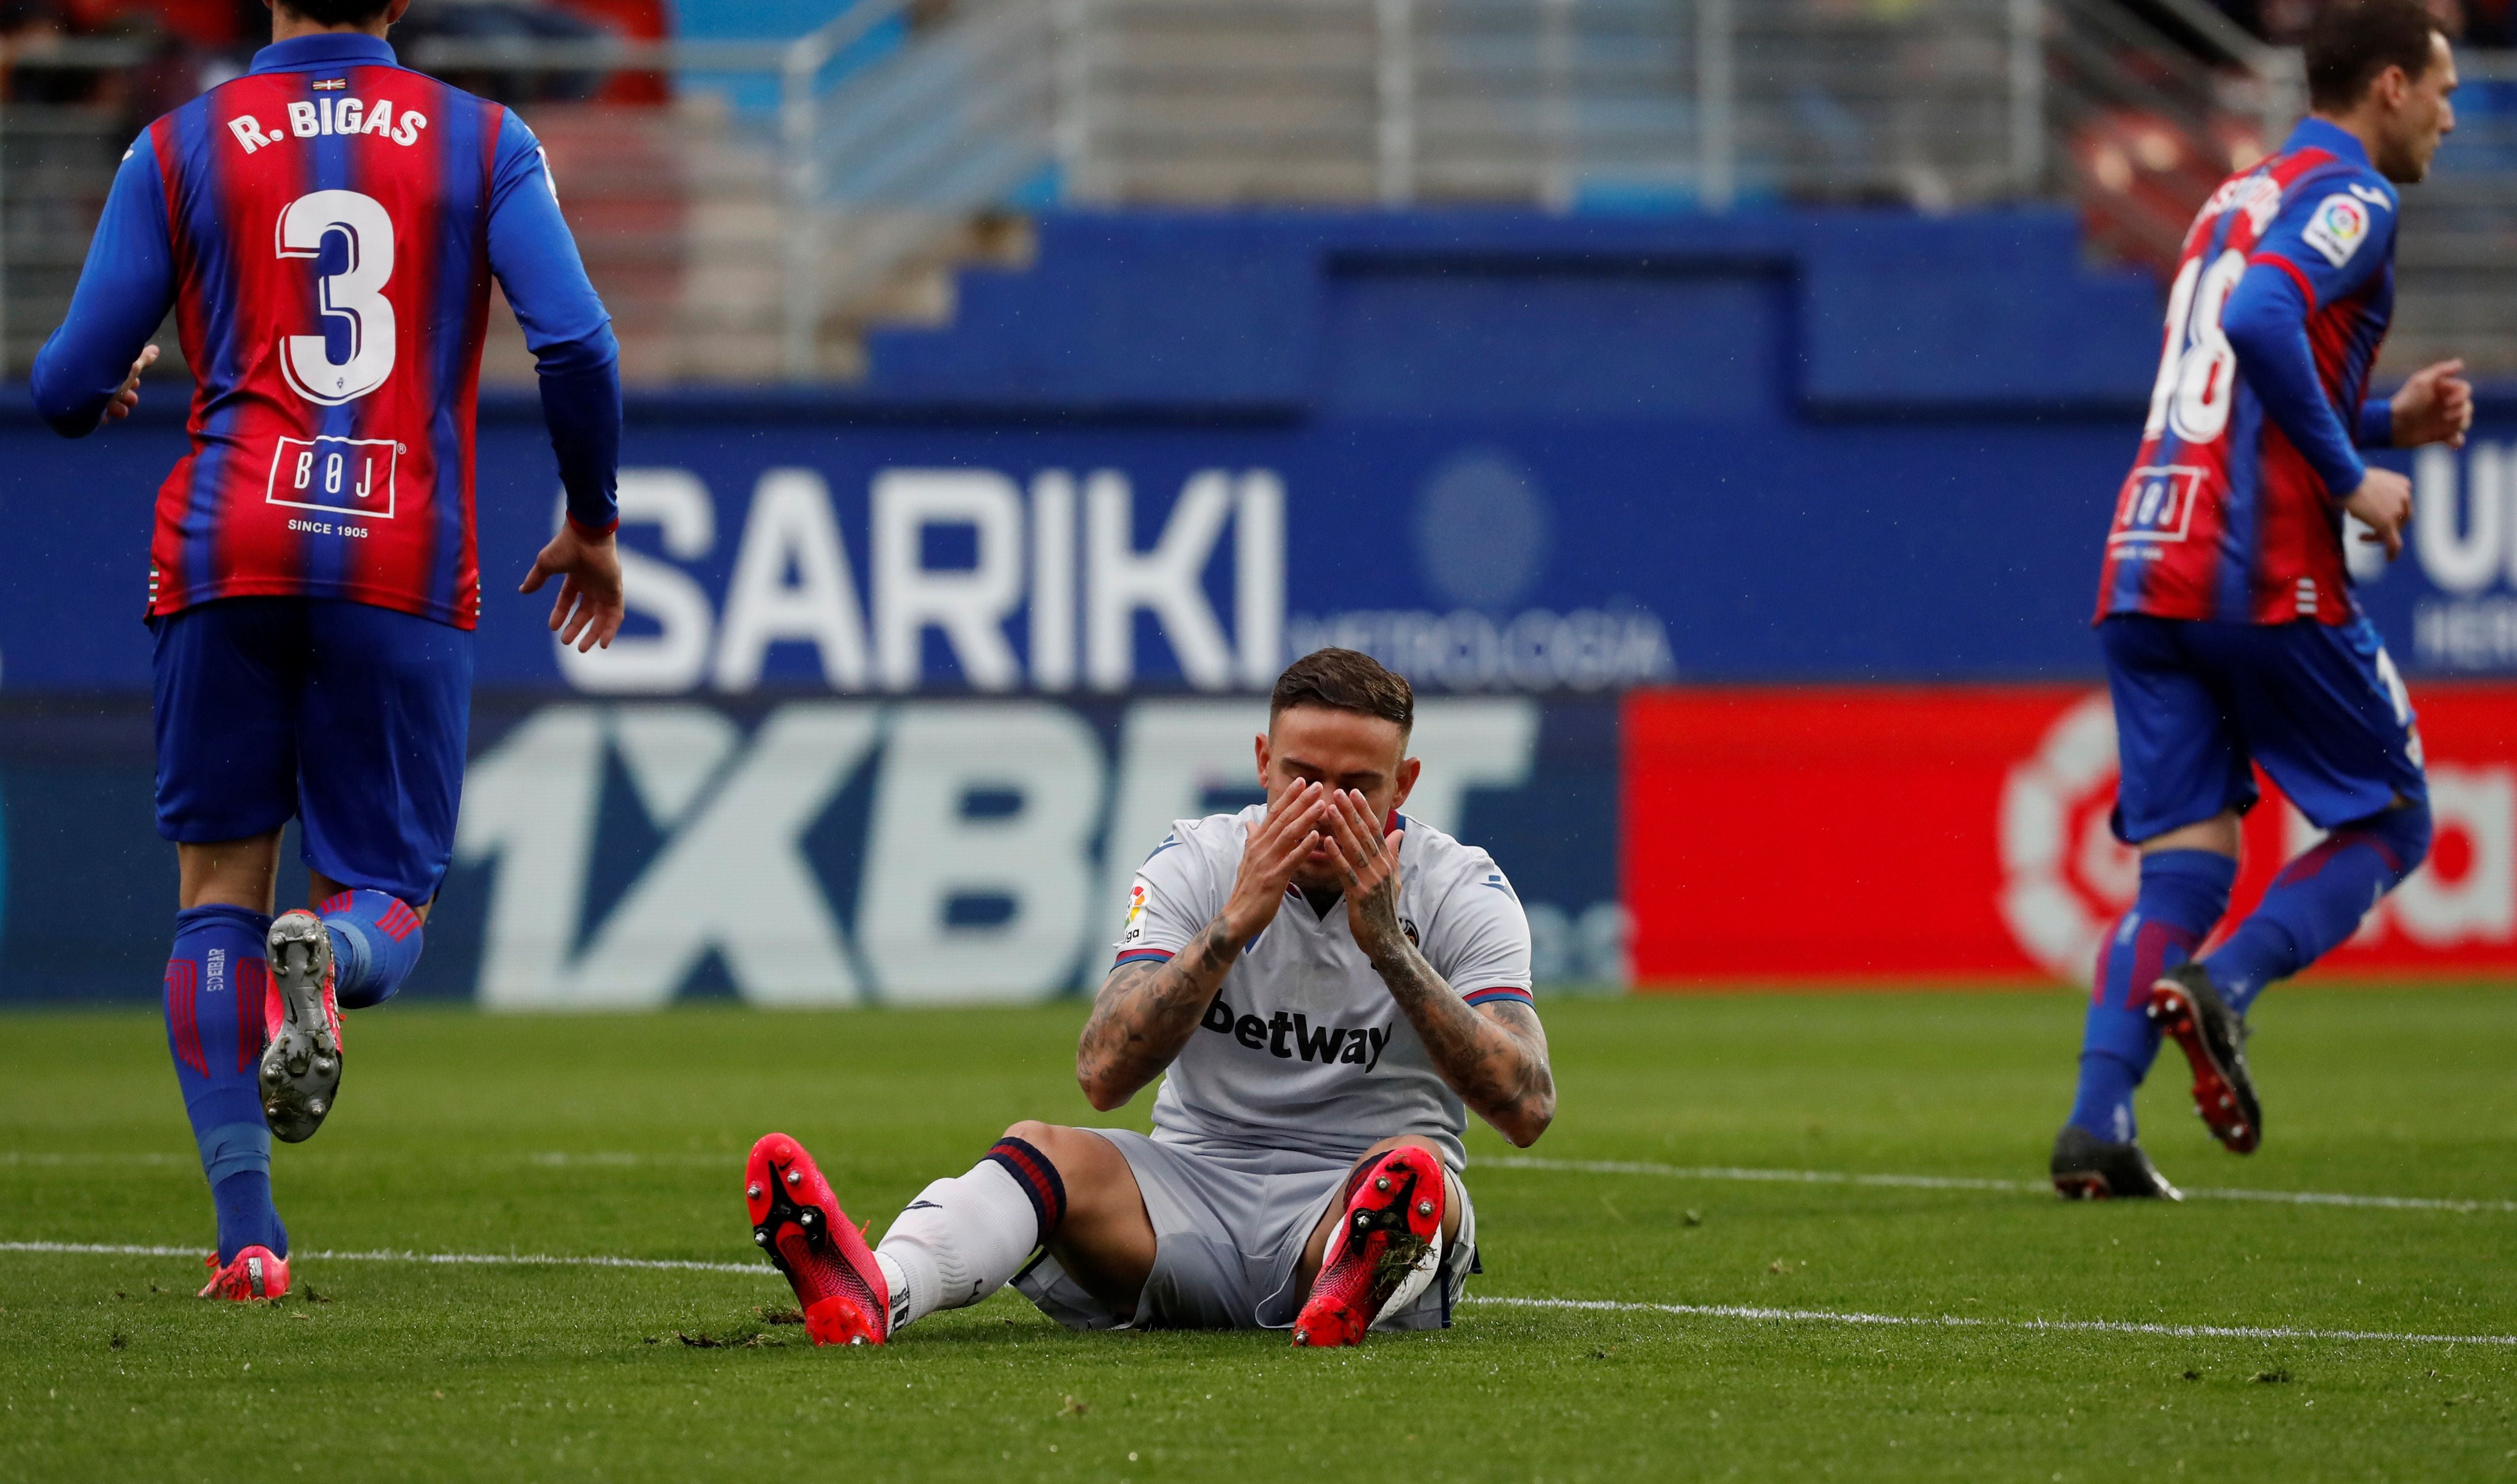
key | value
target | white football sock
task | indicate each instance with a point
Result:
(960, 1241)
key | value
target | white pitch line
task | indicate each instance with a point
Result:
(478, 1259)
(1587, 1306)
(548, 1158)
(610, 1159)
(1963, 1182)
(1963, 1322)
(130, 1157)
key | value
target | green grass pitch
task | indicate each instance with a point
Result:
(463, 1133)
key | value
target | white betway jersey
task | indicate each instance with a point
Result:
(1303, 1048)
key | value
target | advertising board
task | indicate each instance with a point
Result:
(911, 665)
(1960, 835)
(801, 850)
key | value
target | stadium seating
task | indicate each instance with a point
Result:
(735, 248)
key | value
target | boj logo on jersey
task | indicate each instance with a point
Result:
(353, 476)
(2157, 504)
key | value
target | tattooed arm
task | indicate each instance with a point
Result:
(1495, 1058)
(1146, 1011)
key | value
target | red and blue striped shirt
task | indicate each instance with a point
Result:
(325, 229)
(2233, 508)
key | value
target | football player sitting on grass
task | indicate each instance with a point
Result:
(1324, 987)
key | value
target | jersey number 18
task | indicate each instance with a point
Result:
(2197, 369)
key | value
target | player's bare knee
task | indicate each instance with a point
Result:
(1045, 1137)
(1401, 1142)
(1071, 1152)
(1099, 1186)
(242, 872)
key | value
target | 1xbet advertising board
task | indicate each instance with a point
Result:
(801, 851)
(1946, 834)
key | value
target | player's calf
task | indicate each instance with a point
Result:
(2319, 901)
(966, 1236)
(1387, 1242)
(216, 993)
(301, 1058)
(376, 940)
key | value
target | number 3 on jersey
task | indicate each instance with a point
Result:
(2197, 370)
(353, 295)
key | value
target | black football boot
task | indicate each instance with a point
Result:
(2188, 1008)
(2087, 1167)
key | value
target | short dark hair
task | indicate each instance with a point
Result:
(2352, 41)
(336, 12)
(1344, 680)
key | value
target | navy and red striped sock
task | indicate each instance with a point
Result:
(966, 1237)
(2318, 901)
(2183, 893)
(1039, 1179)
(375, 944)
(216, 981)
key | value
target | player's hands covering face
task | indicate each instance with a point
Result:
(1275, 850)
(1368, 863)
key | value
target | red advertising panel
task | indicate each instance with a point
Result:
(1960, 835)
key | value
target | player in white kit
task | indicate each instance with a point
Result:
(1325, 988)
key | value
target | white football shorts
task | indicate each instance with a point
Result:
(1229, 1226)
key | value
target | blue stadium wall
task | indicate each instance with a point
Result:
(918, 670)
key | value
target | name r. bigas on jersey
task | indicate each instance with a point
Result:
(334, 116)
(1324, 1044)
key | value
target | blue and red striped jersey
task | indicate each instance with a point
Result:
(2282, 296)
(327, 227)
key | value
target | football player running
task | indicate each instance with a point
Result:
(314, 577)
(2231, 634)
(1324, 987)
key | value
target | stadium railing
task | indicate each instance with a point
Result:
(739, 243)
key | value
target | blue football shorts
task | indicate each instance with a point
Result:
(2198, 704)
(349, 717)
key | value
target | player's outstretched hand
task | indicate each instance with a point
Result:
(1368, 859)
(1274, 852)
(2434, 406)
(2383, 502)
(127, 396)
(588, 609)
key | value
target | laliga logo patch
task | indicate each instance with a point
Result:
(2337, 229)
(1135, 924)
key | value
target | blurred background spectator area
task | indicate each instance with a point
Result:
(759, 184)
